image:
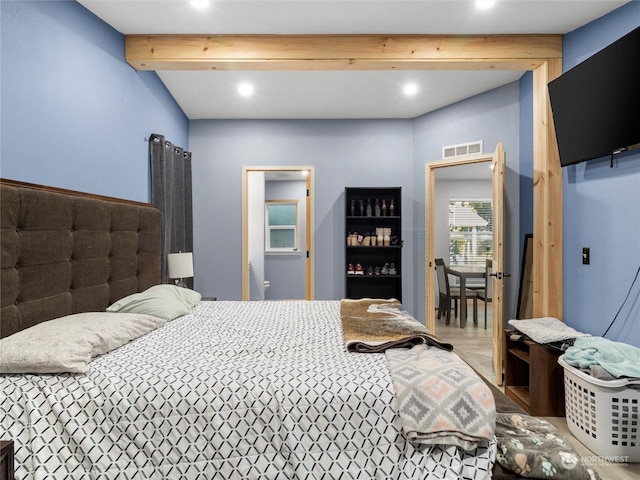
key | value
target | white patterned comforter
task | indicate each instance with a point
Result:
(236, 390)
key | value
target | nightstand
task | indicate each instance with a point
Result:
(533, 378)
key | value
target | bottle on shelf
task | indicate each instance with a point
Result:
(384, 208)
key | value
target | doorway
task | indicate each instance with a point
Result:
(457, 170)
(292, 262)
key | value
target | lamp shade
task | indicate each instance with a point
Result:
(180, 265)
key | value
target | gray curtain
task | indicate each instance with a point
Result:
(171, 194)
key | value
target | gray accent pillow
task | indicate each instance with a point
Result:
(67, 344)
(163, 301)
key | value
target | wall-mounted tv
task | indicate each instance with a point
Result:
(596, 104)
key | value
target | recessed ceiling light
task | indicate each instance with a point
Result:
(245, 89)
(485, 4)
(410, 89)
(199, 4)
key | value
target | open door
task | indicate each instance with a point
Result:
(497, 162)
(253, 231)
(498, 260)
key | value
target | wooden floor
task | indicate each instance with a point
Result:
(473, 345)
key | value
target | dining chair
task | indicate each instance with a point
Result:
(447, 294)
(486, 294)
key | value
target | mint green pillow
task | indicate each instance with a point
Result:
(162, 301)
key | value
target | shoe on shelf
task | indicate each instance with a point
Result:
(392, 269)
(369, 270)
(376, 270)
(350, 269)
(385, 269)
(359, 270)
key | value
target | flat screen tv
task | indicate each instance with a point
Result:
(596, 104)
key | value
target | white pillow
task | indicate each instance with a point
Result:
(164, 301)
(67, 344)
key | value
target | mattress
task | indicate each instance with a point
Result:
(235, 390)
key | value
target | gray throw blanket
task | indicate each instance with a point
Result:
(441, 400)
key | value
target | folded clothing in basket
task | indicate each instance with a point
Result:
(619, 359)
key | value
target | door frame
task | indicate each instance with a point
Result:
(497, 159)
(309, 230)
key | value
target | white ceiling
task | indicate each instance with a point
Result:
(338, 94)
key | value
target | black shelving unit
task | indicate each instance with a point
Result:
(362, 221)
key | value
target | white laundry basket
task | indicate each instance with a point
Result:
(603, 414)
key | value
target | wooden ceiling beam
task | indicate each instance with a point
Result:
(341, 52)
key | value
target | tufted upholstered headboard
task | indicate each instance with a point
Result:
(67, 252)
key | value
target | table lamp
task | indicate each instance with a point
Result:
(179, 267)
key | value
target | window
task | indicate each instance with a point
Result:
(470, 231)
(281, 225)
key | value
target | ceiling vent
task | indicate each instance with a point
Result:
(463, 149)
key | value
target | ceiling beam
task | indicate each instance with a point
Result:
(341, 52)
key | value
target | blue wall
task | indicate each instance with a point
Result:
(344, 153)
(601, 211)
(526, 157)
(74, 113)
(491, 117)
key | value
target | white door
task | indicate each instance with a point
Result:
(255, 191)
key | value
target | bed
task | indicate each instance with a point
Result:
(220, 390)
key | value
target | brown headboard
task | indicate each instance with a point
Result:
(67, 252)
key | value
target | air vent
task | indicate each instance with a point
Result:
(471, 148)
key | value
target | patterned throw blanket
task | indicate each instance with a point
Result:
(374, 325)
(440, 398)
(533, 448)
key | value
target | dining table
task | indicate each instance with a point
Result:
(463, 272)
